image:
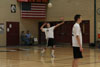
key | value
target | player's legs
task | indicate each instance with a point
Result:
(44, 48)
(77, 55)
(53, 51)
(53, 48)
(51, 44)
(43, 51)
(75, 63)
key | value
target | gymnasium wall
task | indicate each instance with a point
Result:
(6, 15)
(98, 18)
(31, 25)
(68, 8)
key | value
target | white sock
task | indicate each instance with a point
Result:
(43, 51)
(53, 51)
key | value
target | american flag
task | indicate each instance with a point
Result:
(39, 1)
(33, 10)
(23, 0)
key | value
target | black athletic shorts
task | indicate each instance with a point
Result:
(51, 42)
(77, 53)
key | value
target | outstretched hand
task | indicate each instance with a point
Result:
(62, 19)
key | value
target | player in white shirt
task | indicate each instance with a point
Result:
(77, 40)
(49, 35)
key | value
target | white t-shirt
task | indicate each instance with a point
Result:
(76, 31)
(49, 32)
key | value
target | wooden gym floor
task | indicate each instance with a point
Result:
(30, 57)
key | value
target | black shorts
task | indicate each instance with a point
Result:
(77, 53)
(50, 42)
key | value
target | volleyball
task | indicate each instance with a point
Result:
(50, 5)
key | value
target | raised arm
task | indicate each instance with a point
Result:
(42, 27)
(62, 19)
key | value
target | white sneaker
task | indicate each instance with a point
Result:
(53, 56)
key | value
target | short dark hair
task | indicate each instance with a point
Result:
(77, 17)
